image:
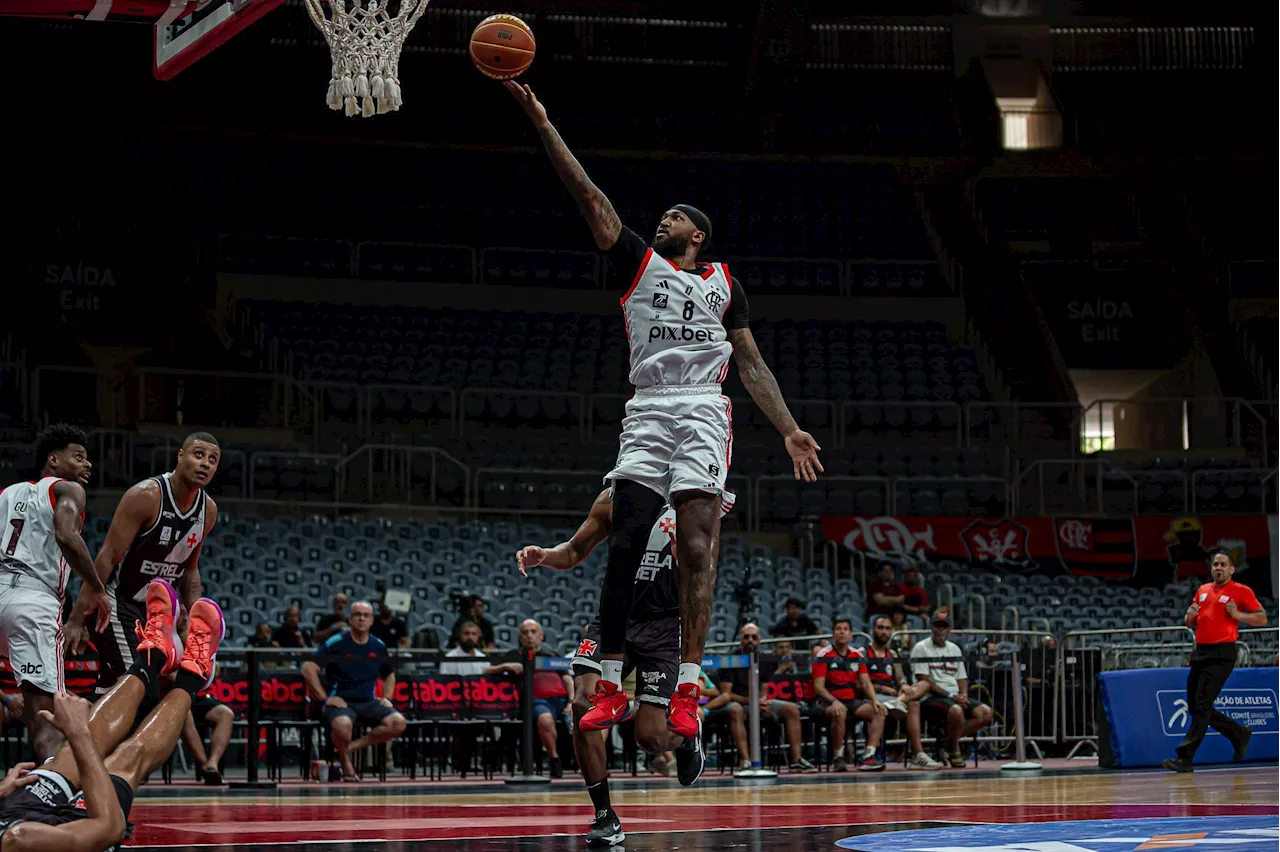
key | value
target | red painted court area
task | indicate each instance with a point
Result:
(233, 823)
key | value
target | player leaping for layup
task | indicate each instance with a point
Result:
(79, 802)
(39, 542)
(157, 531)
(684, 319)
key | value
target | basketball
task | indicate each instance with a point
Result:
(502, 47)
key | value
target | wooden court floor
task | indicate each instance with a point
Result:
(799, 814)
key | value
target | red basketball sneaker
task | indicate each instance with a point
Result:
(204, 634)
(159, 633)
(609, 706)
(682, 713)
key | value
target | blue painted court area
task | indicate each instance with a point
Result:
(1103, 835)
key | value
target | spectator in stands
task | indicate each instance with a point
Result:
(1042, 673)
(883, 593)
(261, 637)
(787, 663)
(796, 622)
(475, 615)
(915, 599)
(335, 621)
(290, 634)
(939, 662)
(734, 682)
(898, 621)
(469, 646)
(208, 712)
(839, 676)
(552, 693)
(900, 698)
(389, 627)
(351, 696)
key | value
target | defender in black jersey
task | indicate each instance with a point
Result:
(652, 649)
(157, 532)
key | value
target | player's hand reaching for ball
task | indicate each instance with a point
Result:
(530, 556)
(528, 101)
(803, 450)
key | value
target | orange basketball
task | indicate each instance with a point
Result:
(502, 47)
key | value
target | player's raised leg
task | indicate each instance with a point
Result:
(157, 736)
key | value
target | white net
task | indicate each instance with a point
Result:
(365, 43)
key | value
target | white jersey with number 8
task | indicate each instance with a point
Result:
(27, 542)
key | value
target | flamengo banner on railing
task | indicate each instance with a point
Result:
(1153, 549)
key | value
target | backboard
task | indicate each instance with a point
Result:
(182, 36)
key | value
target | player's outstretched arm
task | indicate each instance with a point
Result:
(591, 534)
(104, 825)
(596, 209)
(758, 379)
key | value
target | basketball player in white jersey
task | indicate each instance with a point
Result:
(156, 532)
(40, 545)
(684, 319)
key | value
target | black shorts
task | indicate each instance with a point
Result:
(851, 703)
(52, 801)
(118, 644)
(201, 706)
(652, 650)
(935, 707)
(369, 713)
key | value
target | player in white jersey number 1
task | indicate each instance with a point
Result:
(684, 320)
(40, 545)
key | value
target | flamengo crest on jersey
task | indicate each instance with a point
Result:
(675, 324)
(164, 549)
(27, 542)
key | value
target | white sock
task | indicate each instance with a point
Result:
(839, 752)
(689, 673)
(611, 670)
(871, 752)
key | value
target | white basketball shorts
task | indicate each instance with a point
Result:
(677, 439)
(31, 632)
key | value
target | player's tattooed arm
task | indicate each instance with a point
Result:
(596, 208)
(763, 387)
(593, 532)
(759, 381)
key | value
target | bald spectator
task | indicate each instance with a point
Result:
(552, 693)
(352, 696)
(290, 634)
(334, 621)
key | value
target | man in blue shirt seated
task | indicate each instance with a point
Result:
(351, 694)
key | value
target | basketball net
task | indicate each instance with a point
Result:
(365, 43)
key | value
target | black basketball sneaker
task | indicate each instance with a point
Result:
(606, 830)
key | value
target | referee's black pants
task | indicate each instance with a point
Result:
(1211, 665)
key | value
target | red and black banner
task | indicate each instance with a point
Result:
(1147, 549)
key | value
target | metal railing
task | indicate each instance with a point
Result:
(1190, 420)
(1258, 647)
(1084, 654)
(1060, 419)
(1264, 475)
(1084, 493)
(897, 481)
(918, 414)
(390, 469)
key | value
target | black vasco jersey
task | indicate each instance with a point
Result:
(657, 590)
(163, 550)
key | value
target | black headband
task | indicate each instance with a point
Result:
(697, 217)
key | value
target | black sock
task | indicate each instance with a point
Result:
(635, 508)
(599, 792)
(190, 681)
(147, 667)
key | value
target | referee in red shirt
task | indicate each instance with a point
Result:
(1216, 614)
